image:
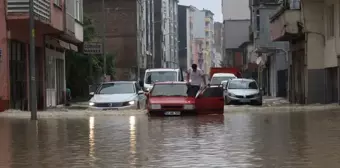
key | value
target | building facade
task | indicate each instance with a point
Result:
(184, 36)
(218, 45)
(275, 54)
(235, 9)
(236, 32)
(166, 33)
(57, 28)
(311, 27)
(128, 39)
(209, 40)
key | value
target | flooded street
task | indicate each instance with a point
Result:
(237, 140)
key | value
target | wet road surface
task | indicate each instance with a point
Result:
(237, 140)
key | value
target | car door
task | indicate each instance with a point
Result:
(210, 100)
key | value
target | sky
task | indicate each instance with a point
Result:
(212, 5)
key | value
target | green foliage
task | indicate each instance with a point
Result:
(83, 70)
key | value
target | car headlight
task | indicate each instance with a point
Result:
(231, 94)
(155, 106)
(91, 104)
(189, 106)
(131, 102)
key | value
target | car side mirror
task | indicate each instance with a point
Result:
(140, 92)
(91, 93)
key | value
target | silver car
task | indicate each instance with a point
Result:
(242, 91)
(117, 95)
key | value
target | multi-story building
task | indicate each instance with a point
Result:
(126, 32)
(218, 45)
(209, 39)
(274, 54)
(235, 9)
(166, 33)
(312, 29)
(57, 28)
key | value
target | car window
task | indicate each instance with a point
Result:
(169, 90)
(213, 92)
(218, 80)
(160, 76)
(241, 84)
(116, 88)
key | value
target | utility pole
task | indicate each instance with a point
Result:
(33, 93)
(104, 38)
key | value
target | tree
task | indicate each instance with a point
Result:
(84, 70)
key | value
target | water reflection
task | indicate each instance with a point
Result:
(91, 140)
(234, 140)
(132, 121)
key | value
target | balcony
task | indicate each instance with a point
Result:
(284, 23)
(42, 8)
(70, 25)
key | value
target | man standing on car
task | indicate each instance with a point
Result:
(196, 76)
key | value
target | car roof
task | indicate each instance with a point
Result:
(243, 79)
(170, 82)
(132, 82)
(162, 69)
(224, 74)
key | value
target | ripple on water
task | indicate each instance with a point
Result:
(287, 139)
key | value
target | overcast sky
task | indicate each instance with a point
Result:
(213, 5)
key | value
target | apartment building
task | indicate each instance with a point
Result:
(209, 39)
(166, 33)
(127, 32)
(274, 54)
(218, 45)
(57, 28)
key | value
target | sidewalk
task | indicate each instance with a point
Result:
(274, 101)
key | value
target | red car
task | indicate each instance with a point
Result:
(170, 98)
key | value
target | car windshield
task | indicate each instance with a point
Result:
(242, 84)
(169, 90)
(116, 88)
(160, 76)
(218, 80)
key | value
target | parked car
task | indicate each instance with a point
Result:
(170, 98)
(242, 91)
(117, 95)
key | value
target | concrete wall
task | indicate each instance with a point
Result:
(235, 9)
(235, 33)
(332, 48)
(199, 24)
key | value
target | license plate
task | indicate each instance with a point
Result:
(245, 101)
(172, 113)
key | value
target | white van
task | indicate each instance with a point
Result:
(161, 75)
(217, 78)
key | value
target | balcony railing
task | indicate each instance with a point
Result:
(42, 8)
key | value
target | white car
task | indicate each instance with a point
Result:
(160, 75)
(217, 78)
(117, 95)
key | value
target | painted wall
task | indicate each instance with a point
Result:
(235, 9)
(332, 48)
(313, 19)
(235, 33)
(57, 15)
(199, 24)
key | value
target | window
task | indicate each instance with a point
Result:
(116, 88)
(330, 21)
(258, 20)
(170, 90)
(160, 76)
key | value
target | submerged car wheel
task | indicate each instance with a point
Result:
(226, 101)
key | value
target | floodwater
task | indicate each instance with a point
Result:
(237, 140)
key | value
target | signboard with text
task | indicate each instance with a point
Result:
(94, 48)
